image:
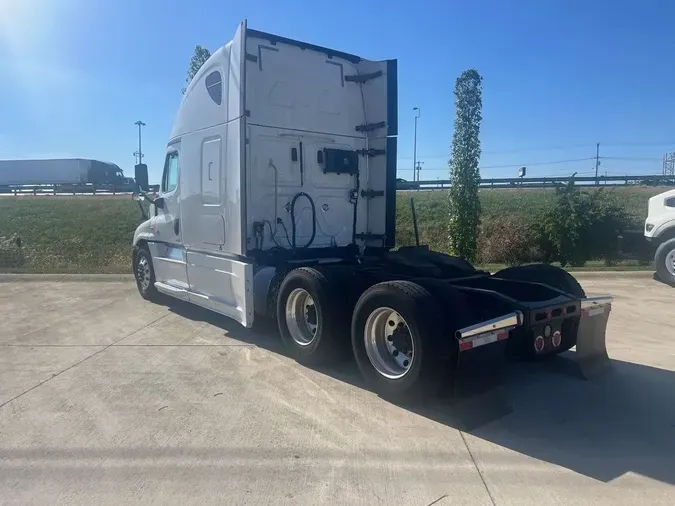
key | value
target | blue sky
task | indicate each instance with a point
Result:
(563, 74)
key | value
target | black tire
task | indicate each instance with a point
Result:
(661, 259)
(147, 290)
(331, 337)
(550, 275)
(554, 277)
(424, 319)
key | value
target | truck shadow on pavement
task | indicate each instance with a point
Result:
(621, 422)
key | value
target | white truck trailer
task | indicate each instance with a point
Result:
(72, 171)
(278, 200)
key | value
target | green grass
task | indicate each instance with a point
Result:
(94, 234)
(71, 234)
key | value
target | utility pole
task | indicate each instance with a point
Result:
(415, 145)
(597, 163)
(139, 154)
(418, 168)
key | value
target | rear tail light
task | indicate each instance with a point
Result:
(556, 339)
(539, 344)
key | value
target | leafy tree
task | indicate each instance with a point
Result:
(199, 57)
(464, 206)
(582, 226)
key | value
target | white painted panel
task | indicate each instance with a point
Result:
(274, 179)
(236, 60)
(170, 267)
(210, 203)
(225, 283)
(290, 87)
(211, 175)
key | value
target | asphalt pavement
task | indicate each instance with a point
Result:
(108, 399)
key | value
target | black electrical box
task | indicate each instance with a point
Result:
(340, 161)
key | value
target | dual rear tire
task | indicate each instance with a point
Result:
(393, 327)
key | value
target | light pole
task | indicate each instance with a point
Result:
(417, 115)
(139, 153)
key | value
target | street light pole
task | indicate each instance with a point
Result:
(415, 143)
(139, 153)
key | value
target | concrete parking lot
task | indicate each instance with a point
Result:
(107, 399)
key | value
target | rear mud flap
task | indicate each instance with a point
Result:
(478, 394)
(591, 355)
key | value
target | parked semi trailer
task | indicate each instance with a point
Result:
(278, 200)
(71, 171)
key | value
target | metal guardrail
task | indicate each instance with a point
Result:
(69, 189)
(545, 182)
(438, 184)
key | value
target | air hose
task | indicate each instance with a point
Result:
(311, 202)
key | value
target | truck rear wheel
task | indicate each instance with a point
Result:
(313, 321)
(394, 328)
(664, 259)
(145, 274)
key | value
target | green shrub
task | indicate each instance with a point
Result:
(508, 239)
(582, 226)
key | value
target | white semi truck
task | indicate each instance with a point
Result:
(660, 231)
(278, 200)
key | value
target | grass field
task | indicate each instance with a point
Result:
(94, 234)
(431, 209)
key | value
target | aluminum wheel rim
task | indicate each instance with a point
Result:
(385, 332)
(143, 273)
(670, 262)
(301, 317)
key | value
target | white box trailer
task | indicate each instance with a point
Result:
(278, 200)
(58, 171)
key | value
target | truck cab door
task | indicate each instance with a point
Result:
(168, 253)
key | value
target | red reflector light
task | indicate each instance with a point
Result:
(556, 339)
(466, 345)
(502, 335)
(539, 344)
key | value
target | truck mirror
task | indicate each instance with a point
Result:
(141, 176)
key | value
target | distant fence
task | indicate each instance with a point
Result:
(69, 189)
(545, 182)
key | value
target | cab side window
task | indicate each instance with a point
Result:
(170, 177)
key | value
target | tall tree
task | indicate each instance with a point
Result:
(464, 206)
(199, 57)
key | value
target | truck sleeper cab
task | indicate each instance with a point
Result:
(277, 200)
